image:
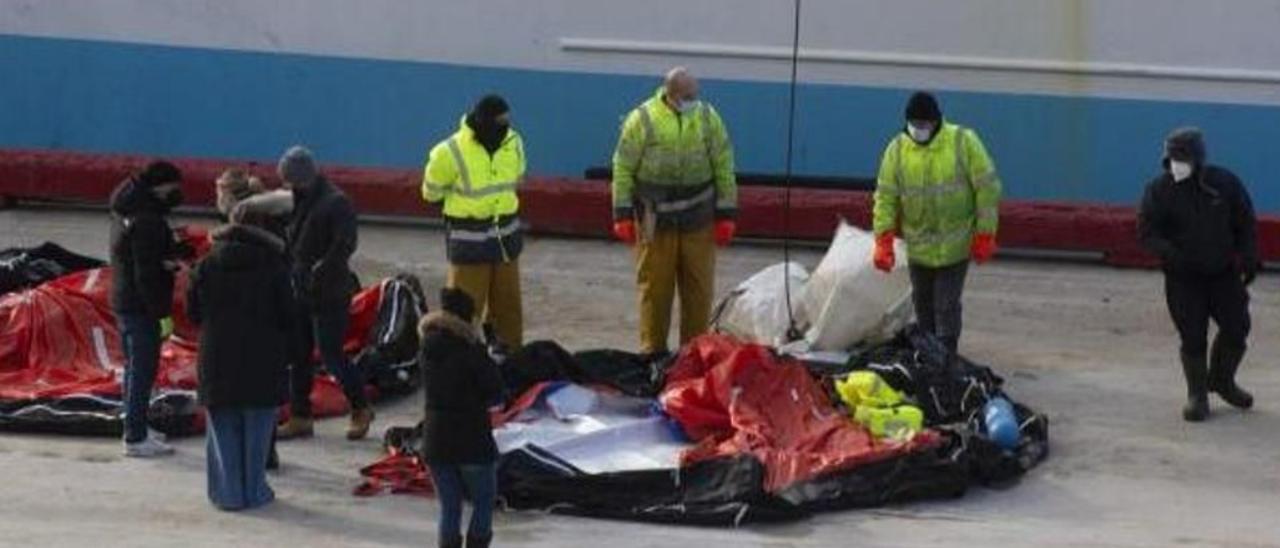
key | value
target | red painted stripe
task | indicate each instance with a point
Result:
(561, 206)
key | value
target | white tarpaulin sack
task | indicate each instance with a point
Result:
(756, 310)
(848, 301)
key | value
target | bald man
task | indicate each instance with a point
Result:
(674, 198)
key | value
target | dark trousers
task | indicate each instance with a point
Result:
(1195, 299)
(458, 482)
(323, 329)
(140, 338)
(936, 294)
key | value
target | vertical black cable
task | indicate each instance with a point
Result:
(792, 332)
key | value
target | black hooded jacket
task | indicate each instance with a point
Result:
(241, 298)
(321, 240)
(461, 383)
(141, 243)
(1204, 225)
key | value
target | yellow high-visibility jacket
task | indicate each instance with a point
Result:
(936, 196)
(684, 160)
(479, 194)
(473, 183)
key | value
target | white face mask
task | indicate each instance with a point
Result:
(1179, 170)
(687, 105)
(919, 134)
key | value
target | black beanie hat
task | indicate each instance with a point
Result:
(158, 173)
(923, 106)
(489, 107)
(457, 302)
(1185, 144)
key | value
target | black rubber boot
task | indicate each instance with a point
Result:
(1223, 364)
(478, 541)
(1197, 374)
(952, 344)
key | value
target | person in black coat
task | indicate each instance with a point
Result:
(1198, 219)
(143, 261)
(321, 240)
(240, 297)
(462, 382)
(244, 200)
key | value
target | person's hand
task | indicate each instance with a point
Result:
(166, 327)
(625, 230)
(983, 247)
(725, 229)
(884, 256)
(1249, 271)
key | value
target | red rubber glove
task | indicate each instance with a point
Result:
(983, 248)
(724, 231)
(884, 257)
(625, 230)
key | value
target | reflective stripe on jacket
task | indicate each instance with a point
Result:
(479, 194)
(936, 196)
(680, 162)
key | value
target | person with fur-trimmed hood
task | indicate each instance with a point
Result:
(232, 187)
(462, 382)
(241, 298)
(239, 193)
(245, 199)
(269, 209)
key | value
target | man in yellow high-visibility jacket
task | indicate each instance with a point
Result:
(675, 197)
(476, 173)
(937, 189)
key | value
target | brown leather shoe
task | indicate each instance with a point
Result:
(296, 427)
(360, 421)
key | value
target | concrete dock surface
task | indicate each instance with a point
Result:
(1088, 345)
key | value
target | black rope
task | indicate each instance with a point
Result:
(793, 333)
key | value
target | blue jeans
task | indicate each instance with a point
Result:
(323, 329)
(237, 442)
(140, 338)
(457, 482)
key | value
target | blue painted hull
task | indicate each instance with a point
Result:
(112, 97)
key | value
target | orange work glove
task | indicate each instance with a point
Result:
(625, 230)
(724, 231)
(983, 248)
(884, 257)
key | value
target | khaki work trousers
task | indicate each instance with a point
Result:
(669, 260)
(495, 288)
